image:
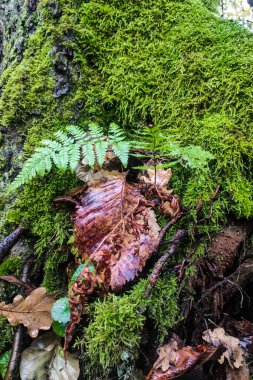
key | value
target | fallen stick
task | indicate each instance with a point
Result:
(7, 243)
(14, 361)
(175, 244)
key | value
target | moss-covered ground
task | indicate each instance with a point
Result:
(116, 60)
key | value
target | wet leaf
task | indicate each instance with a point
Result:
(44, 359)
(115, 228)
(60, 310)
(233, 354)
(117, 231)
(59, 328)
(173, 362)
(4, 361)
(34, 311)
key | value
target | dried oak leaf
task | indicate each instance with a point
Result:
(173, 362)
(34, 311)
(234, 353)
(115, 228)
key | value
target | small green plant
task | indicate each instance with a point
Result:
(166, 151)
(67, 149)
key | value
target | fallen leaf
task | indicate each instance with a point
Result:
(34, 311)
(44, 359)
(166, 356)
(117, 231)
(115, 228)
(234, 353)
(158, 177)
(173, 362)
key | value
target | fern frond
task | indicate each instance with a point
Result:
(89, 153)
(96, 131)
(121, 149)
(63, 138)
(37, 165)
(65, 151)
(74, 156)
(61, 159)
(76, 132)
(54, 145)
(100, 150)
(115, 133)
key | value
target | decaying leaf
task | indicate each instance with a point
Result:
(173, 362)
(158, 177)
(117, 231)
(44, 359)
(166, 356)
(234, 353)
(115, 228)
(34, 311)
(157, 180)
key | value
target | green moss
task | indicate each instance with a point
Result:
(55, 272)
(34, 210)
(163, 304)
(115, 328)
(7, 333)
(116, 323)
(11, 265)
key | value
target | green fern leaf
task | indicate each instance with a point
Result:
(96, 131)
(74, 156)
(76, 132)
(100, 150)
(121, 149)
(61, 159)
(54, 145)
(63, 138)
(89, 154)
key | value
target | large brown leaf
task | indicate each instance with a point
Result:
(117, 231)
(34, 311)
(115, 228)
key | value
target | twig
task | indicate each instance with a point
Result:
(7, 243)
(176, 241)
(18, 336)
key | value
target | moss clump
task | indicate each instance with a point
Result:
(163, 304)
(11, 265)
(55, 272)
(189, 68)
(7, 333)
(114, 333)
(115, 328)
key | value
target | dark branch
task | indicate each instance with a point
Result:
(18, 336)
(175, 244)
(7, 243)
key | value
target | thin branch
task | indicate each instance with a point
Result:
(176, 241)
(7, 243)
(18, 336)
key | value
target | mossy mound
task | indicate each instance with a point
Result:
(115, 60)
